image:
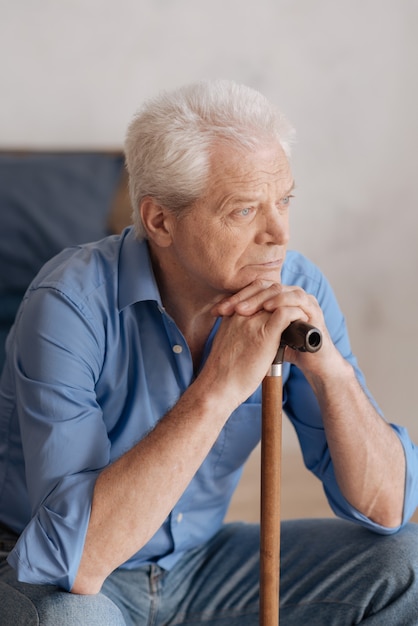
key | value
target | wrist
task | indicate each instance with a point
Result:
(331, 374)
(215, 394)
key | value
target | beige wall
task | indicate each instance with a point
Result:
(73, 72)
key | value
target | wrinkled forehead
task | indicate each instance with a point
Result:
(237, 168)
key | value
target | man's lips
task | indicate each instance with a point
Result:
(269, 264)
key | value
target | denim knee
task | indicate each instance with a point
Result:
(42, 605)
(68, 609)
(397, 553)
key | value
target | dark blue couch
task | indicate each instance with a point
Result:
(49, 201)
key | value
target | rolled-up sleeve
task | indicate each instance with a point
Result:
(65, 441)
(302, 408)
(50, 548)
(343, 508)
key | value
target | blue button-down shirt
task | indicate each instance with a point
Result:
(93, 363)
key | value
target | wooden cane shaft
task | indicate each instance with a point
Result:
(271, 448)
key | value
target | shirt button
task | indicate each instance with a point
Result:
(179, 518)
(177, 349)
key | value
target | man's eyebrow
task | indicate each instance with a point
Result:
(248, 199)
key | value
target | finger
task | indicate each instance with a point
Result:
(271, 298)
(249, 300)
(292, 296)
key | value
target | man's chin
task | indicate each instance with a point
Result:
(272, 274)
(269, 277)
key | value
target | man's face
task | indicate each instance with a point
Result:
(238, 231)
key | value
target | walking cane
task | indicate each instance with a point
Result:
(306, 338)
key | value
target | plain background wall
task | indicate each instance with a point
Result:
(73, 72)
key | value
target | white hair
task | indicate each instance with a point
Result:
(168, 143)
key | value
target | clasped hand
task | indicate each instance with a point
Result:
(253, 321)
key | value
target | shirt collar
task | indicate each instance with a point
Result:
(136, 277)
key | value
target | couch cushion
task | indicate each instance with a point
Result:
(48, 202)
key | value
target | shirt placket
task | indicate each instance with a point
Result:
(181, 356)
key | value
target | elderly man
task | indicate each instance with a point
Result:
(131, 399)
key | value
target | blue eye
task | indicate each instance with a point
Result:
(286, 199)
(245, 212)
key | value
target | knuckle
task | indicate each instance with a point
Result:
(312, 301)
(262, 283)
(299, 291)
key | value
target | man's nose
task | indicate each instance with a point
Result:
(274, 228)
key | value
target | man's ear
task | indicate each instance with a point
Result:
(156, 220)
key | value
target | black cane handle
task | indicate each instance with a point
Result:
(302, 336)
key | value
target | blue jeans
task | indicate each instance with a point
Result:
(332, 572)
